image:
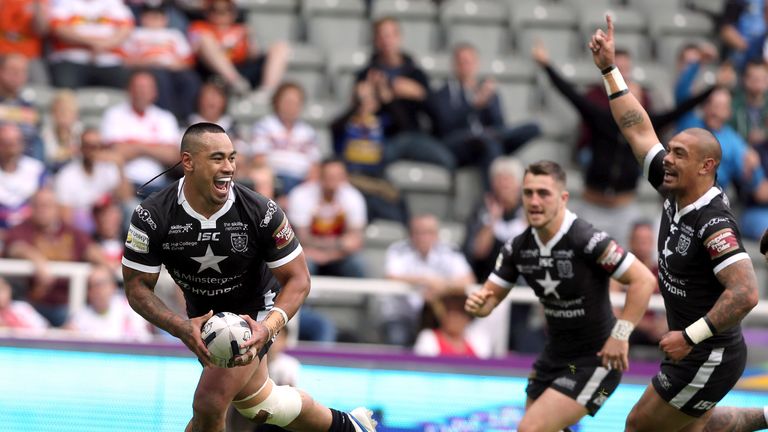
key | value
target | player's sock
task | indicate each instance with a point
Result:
(341, 422)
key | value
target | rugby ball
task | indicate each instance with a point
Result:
(222, 334)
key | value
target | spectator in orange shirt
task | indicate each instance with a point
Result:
(224, 48)
(87, 40)
(165, 52)
(23, 25)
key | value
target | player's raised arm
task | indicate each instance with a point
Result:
(139, 289)
(629, 114)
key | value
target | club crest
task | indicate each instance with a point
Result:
(239, 242)
(682, 244)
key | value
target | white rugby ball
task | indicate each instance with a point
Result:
(222, 334)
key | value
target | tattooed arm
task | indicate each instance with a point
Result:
(629, 114)
(736, 420)
(139, 288)
(738, 298)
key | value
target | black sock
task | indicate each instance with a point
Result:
(340, 422)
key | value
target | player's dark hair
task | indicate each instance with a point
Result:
(764, 243)
(189, 142)
(548, 168)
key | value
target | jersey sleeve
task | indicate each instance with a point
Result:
(504, 272)
(142, 243)
(278, 241)
(653, 165)
(607, 253)
(722, 241)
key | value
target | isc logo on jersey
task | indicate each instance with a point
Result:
(137, 240)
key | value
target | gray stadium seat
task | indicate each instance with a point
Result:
(509, 68)
(427, 188)
(714, 7)
(542, 148)
(375, 261)
(517, 100)
(39, 96)
(452, 233)
(668, 48)
(631, 26)
(94, 100)
(580, 72)
(337, 24)
(481, 23)
(307, 67)
(246, 112)
(581, 4)
(270, 21)
(679, 23)
(468, 182)
(342, 67)
(321, 113)
(417, 21)
(438, 66)
(325, 141)
(646, 6)
(656, 77)
(382, 233)
(559, 42)
(542, 15)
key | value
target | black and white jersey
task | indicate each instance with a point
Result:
(695, 243)
(222, 263)
(570, 275)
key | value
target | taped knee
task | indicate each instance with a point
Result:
(283, 405)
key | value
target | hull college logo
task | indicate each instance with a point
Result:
(682, 244)
(239, 242)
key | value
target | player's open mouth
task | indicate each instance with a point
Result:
(668, 175)
(222, 184)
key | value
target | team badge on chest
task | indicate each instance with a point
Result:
(682, 244)
(239, 242)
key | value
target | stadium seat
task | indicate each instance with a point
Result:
(382, 233)
(321, 113)
(438, 66)
(580, 72)
(94, 100)
(509, 68)
(710, 7)
(481, 23)
(559, 42)
(39, 95)
(679, 23)
(542, 16)
(307, 67)
(452, 233)
(427, 188)
(337, 24)
(270, 21)
(542, 148)
(342, 67)
(655, 77)
(417, 21)
(517, 100)
(468, 182)
(375, 261)
(581, 4)
(245, 111)
(325, 141)
(647, 6)
(668, 47)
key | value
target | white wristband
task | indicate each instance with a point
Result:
(622, 329)
(614, 83)
(281, 312)
(698, 331)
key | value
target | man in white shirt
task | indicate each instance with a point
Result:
(20, 177)
(108, 314)
(96, 173)
(426, 262)
(329, 217)
(144, 135)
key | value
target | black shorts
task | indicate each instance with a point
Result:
(583, 379)
(696, 384)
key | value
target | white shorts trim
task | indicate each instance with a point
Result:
(589, 388)
(700, 380)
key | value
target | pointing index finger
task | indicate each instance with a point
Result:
(609, 22)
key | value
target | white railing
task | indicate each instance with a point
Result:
(322, 286)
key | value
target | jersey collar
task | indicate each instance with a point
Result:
(699, 203)
(546, 249)
(205, 223)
